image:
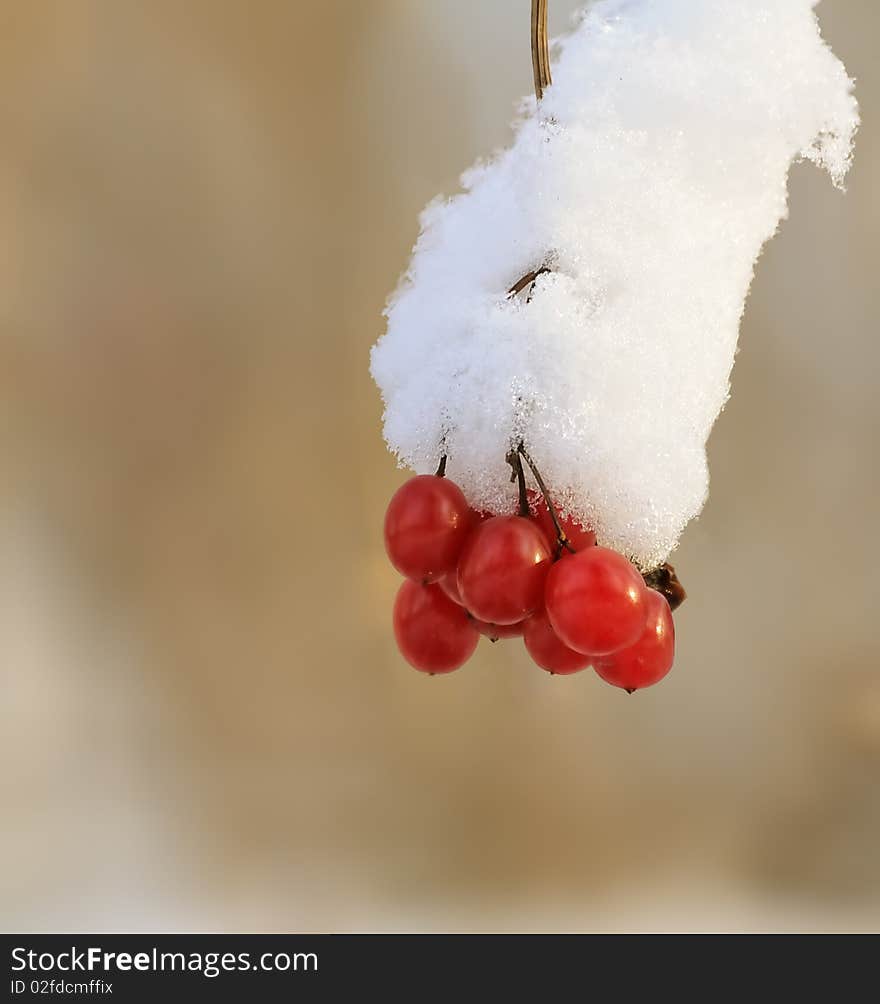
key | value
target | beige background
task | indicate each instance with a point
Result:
(203, 722)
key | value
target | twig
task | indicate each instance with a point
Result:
(541, 69)
(562, 540)
(540, 48)
(513, 458)
(526, 280)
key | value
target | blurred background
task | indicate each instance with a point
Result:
(204, 724)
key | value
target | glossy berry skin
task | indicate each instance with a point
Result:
(579, 537)
(502, 569)
(596, 601)
(548, 651)
(495, 632)
(433, 634)
(650, 659)
(426, 524)
(449, 585)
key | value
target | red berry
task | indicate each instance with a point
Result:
(650, 659)
(545, 647)
(596, 601)
(578, 536)
(426, 524)
(502, 569)
(433, 634)
(495, 632)
(449, 585)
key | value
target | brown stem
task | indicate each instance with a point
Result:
(526, 280)
(540, 48)
(562, 540)
(541, 70)
(513, 458)
(441, 467)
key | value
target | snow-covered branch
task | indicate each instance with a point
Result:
(652, 177)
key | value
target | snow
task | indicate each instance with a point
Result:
(648, 180)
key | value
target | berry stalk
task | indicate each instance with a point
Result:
(519, 475)
(561, 539)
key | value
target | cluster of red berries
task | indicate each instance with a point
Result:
(538, 575)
